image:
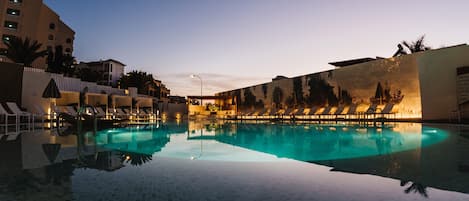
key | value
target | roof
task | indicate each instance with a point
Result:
(351, 62)
(208, 97)
(102, 61)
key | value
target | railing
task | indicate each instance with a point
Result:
(75, 84)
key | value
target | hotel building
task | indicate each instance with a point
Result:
(34, 20)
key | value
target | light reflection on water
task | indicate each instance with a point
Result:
(413, 160)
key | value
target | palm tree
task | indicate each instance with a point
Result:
(22, 51)
(416, 46)
(139, 79)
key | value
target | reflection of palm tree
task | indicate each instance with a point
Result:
(415, 188)
(136, 159)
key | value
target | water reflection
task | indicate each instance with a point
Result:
(40, 164)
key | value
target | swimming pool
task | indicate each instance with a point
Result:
(304, 142)
(231, 160)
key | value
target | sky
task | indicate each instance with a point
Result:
(237, 43)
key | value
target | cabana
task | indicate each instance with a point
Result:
(95, 99)
(224, 106)
(68, 98)
(143, 102)
(118, 101)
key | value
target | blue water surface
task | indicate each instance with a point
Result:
(269, 141)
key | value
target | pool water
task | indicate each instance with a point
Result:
(304, 142)
(230, 160)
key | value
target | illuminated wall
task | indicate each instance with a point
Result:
(422, 85)
(394, 80)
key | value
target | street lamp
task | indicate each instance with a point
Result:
(196, 76)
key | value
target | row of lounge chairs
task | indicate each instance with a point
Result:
(13, 120)
(142, 114)
(327, 113)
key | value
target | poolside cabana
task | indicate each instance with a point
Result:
(68, 98)
(96, 100)
(223, 106)
(143, 102)
(118, 101)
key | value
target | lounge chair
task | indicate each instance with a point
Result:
(339, 110)
(326, 112)
(6, 122)
(371, 111)
(350, 114)
(69, 110)
(23, 118)
(387, 110)
(287, 113)
(100, 113)
(272, 113)
(299, 112)
(260, 113)
(312, 111)
(119, 113)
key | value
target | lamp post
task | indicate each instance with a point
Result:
(196, 76)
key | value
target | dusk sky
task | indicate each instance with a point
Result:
(233, 44)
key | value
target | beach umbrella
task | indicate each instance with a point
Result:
(51, 92)
(51, 151)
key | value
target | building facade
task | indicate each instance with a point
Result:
(429, 85)
(34, 20)
(110, 71)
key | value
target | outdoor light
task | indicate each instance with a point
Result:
(196, 76)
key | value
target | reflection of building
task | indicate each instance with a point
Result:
(110, 70)
(33, 19)
(421, 85)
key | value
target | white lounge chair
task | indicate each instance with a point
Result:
(20, 114)
(6, 122)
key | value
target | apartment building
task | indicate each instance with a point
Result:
(110, 70)
(35, 20)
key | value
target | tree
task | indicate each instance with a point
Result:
(277, 96)
(416, 46)
(22, 51)
(145, 83)
(88, 75)
(59, 62)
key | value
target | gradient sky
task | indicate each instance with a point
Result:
(237, 43)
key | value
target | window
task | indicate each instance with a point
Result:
(110, 77)
(13, 12)
(50, 37)
(68, 40)
(110, 69)
(7, 37)
(52, 26)
(68, 50)
(11, 25)
(16, 1)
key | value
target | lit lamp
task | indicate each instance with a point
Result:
(196, 76)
